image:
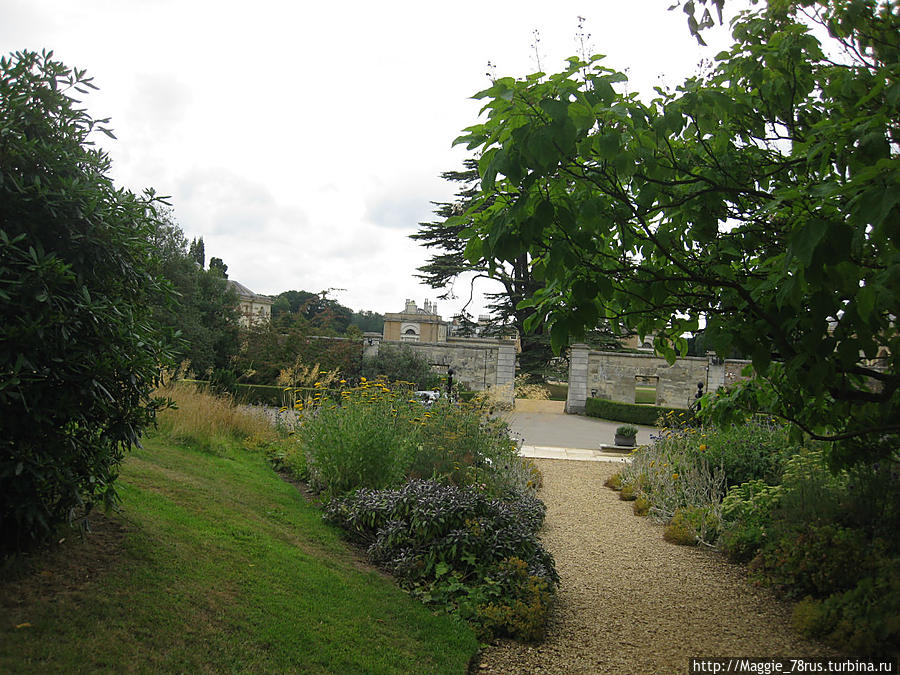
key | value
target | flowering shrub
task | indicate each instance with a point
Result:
(379, 435)
(809, 532)
(747, 511)
(365, 441)
(457, 548)
(671, 474)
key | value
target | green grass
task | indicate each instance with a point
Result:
(222, 567)
(645, 395)
(559, 391)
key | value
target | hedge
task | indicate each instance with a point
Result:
(626, 412)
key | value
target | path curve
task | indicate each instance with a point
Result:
(632, 603)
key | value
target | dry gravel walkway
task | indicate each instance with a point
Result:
(631, 603)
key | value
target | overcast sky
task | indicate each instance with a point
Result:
(304, 141)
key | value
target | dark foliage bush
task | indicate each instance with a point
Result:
(863, 620)
(266, 350)
(626, 412)
(79, 354)
(755, 450)
(401, 364)
(822, 560)
(457, 548)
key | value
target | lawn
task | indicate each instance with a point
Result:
(645, 395)
(215, 564)
(559, 391)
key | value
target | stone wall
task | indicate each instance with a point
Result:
(613, 376)
(478, 364)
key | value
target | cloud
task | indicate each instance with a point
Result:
(219, 202)
(404, 205)
(158, 102)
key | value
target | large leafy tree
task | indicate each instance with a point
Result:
(79, 353)
(449, 262)
(203, 318)
(316, 312)
(760, 199)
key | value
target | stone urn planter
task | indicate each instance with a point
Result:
(625, 435)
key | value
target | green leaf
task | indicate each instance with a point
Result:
(559, 337)
(865, 302)
(805, 240)
(606, 145)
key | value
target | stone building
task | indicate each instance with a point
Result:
(478, 363)
(253, 307)
(415, 324)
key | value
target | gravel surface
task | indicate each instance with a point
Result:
(632, 603)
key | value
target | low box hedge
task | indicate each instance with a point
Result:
(626, 412)
(259, 394)
(251, 394)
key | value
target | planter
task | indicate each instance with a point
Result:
(627, 441)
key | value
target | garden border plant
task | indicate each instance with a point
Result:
(825, 538)
(440, 497)
(457, 549)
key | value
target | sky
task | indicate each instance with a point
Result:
(305, 141)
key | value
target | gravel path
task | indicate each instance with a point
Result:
(632, 603)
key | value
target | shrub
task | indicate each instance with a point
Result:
(458, 549)
(628, 493)
(809, 493)
(521, 610)
(401, 364)
(627, 430)
(755, 450)
(692, 525)
(267, 350)
(614, 482)
(823, 559)
(527, 387)
(626, 412)
(379, 437)
(641, 506)
(79, 354)
(366, 441)
(862, 620)
(456, 443)
(747, 513)
(673, 475)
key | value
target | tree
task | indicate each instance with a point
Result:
(217, 266)
(760, 199)
(204, 314)
(197, 252)
(368, 321)
(79, 354)
(449, 262)
(401, 364)
(317, 312)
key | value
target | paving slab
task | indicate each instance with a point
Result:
(560, 430)
(571, 454)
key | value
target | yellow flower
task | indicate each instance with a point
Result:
(702, 447)
(675, 476)
(362, 379)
